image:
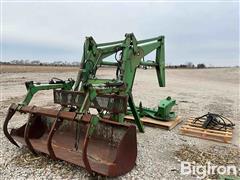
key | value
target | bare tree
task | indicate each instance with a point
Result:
(200, 66)
(35, 62)
(190, 65)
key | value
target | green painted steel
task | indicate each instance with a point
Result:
(163, 112)
(131, 54)
(33, 88)
(93, 123)
(165, 107)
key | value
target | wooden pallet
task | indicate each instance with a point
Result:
(196, 130)
(168, 125)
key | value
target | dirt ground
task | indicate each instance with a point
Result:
(196, 92)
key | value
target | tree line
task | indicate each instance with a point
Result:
(189, 65)
(40, 63)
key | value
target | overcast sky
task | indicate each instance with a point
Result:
(197, 32)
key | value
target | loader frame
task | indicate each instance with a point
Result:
(88, 91)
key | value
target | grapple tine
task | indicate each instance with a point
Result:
(108, 150)
(85, 146)
(55, 126)
(32, 117)
(107, 145)
(11, 111)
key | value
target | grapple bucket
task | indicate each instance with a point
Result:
(110, 151)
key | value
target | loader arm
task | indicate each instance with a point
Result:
(132, 55)
(100, 140)
(33, 88)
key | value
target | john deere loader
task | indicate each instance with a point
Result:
(89, 128)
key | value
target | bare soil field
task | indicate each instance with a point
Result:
(196, 92)
(29, 68)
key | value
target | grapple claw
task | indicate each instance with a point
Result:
(110, 150)
(31, 120)
(85, 158)
(11, 111)
(54, 128)
(102, 142)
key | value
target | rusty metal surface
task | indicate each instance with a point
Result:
(48, 112)
(110, 102)
(54, 128)
(31, 118)
(84, 152)
(111, 150)
(63, 114)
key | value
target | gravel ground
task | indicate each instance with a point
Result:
(196, 92)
